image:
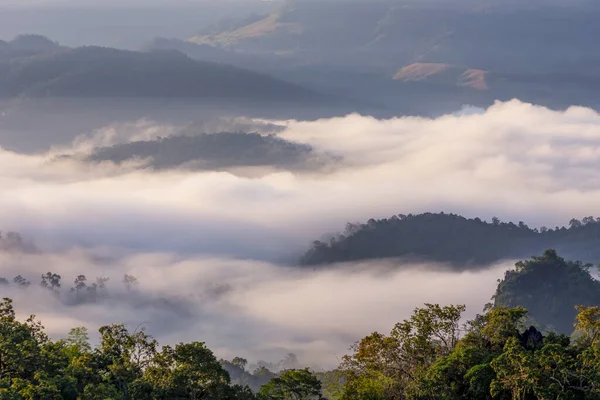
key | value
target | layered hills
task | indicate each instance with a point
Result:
(35, 67)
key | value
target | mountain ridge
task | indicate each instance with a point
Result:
(444, 73)
(94, 71)
(462, 243)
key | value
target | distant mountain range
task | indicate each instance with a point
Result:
(382, 57)
(534, 36)
(33, 66)
(474, 52)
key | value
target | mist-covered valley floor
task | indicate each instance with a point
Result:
(215, 250)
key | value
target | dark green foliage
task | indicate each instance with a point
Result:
(333, 383)
(124, 366)
(483, 364)
(300, 384)
(550, 288)
(494, 357)
(464, 243)
(127, 366)
(213, 151)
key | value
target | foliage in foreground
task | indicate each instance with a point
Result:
(431, 355)
(427, 357)
(123, 366)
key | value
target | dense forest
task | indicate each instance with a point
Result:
(462, 242)
(430, 355)
(214, 151)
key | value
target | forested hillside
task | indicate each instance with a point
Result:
(463, 242)
(549, 287)
(430, 355)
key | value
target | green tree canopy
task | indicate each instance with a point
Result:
(294, 384)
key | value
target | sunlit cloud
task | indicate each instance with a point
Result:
(217, 242)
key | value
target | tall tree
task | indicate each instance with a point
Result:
(294, 384)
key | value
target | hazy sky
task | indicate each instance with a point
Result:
(128, 24)
(126, 3)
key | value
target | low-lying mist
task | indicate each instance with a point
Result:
(207, 246)
(243, 308)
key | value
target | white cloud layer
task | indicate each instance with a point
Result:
(181, 229)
